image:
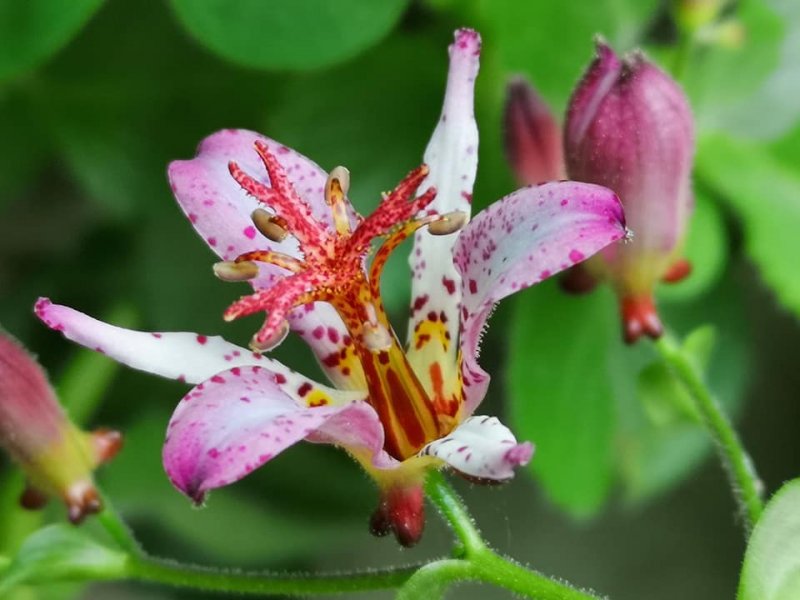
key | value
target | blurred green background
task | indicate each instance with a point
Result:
(623, 495)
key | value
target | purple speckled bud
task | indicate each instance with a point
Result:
(629, 127)
(57, 457)
(532, 137)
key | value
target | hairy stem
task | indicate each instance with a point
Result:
(479, 562)
(746, 486)
(299, 584)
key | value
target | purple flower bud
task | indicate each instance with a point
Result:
(532, 137)
(629, 128)
(57, 457)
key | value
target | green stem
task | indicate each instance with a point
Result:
(746, 485)
(452, 508)
(479, 562)
(117, 529)
(201, 578)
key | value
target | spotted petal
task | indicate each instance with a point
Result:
(185, 356)
(452, 155)
(239, 419)
(519, 241)
(220, 210)
(481, 447)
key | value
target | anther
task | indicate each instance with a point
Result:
(335, 190)
(271, 227)
(258, 345)
(236, 271)
(341, 176)
(448, 223)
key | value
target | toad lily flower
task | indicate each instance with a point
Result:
(278, 221)
(57, 457)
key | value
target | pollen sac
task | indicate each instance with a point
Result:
(270, 226)
(236, 271)
(629, 128)
(57, 457)
(402, 512)
(448, 223)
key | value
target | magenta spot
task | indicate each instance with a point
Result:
(193, 217)
(304, 389)
(544, 274)
(280, 378)
(319, 332)
(449, 284)
(156, 335)
(473, 286)
(218, 379)
(245, 399)
(576, 255)
(208, 202)
(213, 453)
(250, 232)
(333, 335)
(564, 202)
(201, 339)
(212, 241)
(236, 371)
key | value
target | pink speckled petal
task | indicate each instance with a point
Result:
(220, 210)
(239, 419)
(185, 356)
(519, 241)
(452, 155)
(481, 447)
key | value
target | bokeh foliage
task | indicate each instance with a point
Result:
(97, 98)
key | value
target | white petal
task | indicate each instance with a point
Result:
(481, 447)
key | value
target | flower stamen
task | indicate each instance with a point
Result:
(335, 191)
(270, 226)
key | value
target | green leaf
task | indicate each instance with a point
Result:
(525, 32)
(62, 552)
(34, 30)
(302, 34)
(655, 456)
(746, 90)
(664, 399)
(561, 396)
(766, 197)
(771, 568)
(719, 78)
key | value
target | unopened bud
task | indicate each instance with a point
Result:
(57, 457)
(448, 223)
(236, 271)
(270, 226)
(629, 128)
(532, 137)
